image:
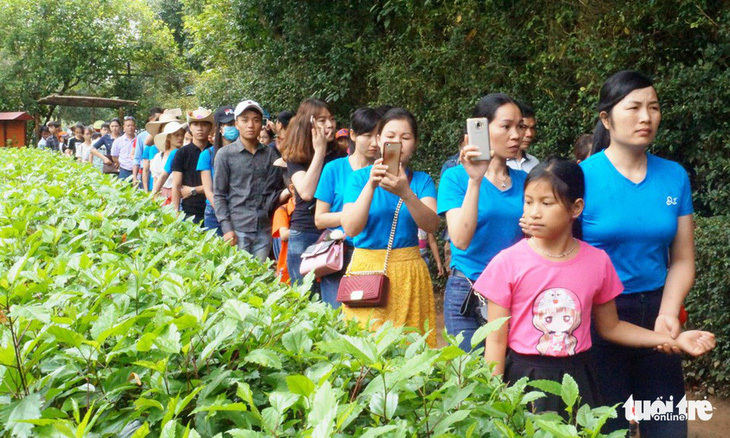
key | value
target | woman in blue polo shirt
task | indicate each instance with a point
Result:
(482, 201)
(331, 189)
(639, 210)
(371, 199)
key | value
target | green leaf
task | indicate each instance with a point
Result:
(569, 391)
(482, 332)
(281, 401)
(66, 336)
(264, 357)
(142, 432)
(32, 311)
(324, 411)
(548, 386)
(373, 432)
(300, 384)
(169, 341)
(384, 405)
(29, 408)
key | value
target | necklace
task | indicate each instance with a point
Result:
(504, 179)
(554, 256)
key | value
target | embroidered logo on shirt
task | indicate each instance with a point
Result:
(671, 201)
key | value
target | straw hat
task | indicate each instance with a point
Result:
(169, 129)
(200, 115)
(154, 127)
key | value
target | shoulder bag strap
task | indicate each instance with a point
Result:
(390, 246)
(392, 235)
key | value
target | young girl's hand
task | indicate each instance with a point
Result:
(474, 168)
(696, 342)
(377, 172)
(397, 185)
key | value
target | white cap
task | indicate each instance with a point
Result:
(248, 104)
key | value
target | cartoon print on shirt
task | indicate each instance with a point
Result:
(556, 313)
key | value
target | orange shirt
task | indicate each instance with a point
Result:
(282, 219)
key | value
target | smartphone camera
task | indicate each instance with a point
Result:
(480, 125)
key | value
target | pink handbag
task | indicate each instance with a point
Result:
(324, 257)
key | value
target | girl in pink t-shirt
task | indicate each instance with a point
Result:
(550, 284)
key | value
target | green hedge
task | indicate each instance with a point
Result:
(708, 305)
(119, 319)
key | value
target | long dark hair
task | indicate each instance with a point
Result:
(567, 181)
(613, 91)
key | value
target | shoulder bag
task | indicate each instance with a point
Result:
(368, 288)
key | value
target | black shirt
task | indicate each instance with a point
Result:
(72, 145)
(186, 162)
(302, 219)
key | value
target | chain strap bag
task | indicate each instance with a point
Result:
(368, 288)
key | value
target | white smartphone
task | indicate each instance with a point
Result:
(478, 131)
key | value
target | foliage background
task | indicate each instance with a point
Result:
(437, 58)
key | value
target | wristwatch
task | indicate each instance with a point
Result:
(193, 192)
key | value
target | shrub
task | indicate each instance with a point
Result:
(120, 319)
(708, 303)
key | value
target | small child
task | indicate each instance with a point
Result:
(280, 230)
(550, 284)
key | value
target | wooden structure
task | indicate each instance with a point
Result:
(13, 129)
(84, 101)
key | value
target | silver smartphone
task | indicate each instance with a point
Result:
(478, 131)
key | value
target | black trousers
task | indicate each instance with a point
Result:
(642, 372)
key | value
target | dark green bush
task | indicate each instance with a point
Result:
(708, 305)
(438, 58)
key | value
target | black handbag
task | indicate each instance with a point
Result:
(474, 305)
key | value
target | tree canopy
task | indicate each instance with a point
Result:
(107, 47)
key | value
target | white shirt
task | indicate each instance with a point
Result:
(525, 163)
(157, 168)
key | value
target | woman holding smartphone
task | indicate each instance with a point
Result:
(309, 145)
(482, 202)
(371, 198)
(638, 208)
(331, 189)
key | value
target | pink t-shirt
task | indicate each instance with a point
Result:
(550, 301)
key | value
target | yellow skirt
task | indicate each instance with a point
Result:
(410, 300)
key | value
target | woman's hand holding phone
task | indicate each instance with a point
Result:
(476, 169)
(397, 185)
(319, 141)
(377, 172)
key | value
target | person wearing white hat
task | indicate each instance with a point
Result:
(187, 185)
(150, 150)
(248, 187)
(170, 139)
(154, 114)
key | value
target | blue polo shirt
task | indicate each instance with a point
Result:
(635, 223)
(332, 184)
(205, 162)
(498, 218)
(168, 164)
(376, 233)
(148, 153)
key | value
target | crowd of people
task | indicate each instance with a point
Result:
(590, 261)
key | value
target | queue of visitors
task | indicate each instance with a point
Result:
(591, 262)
